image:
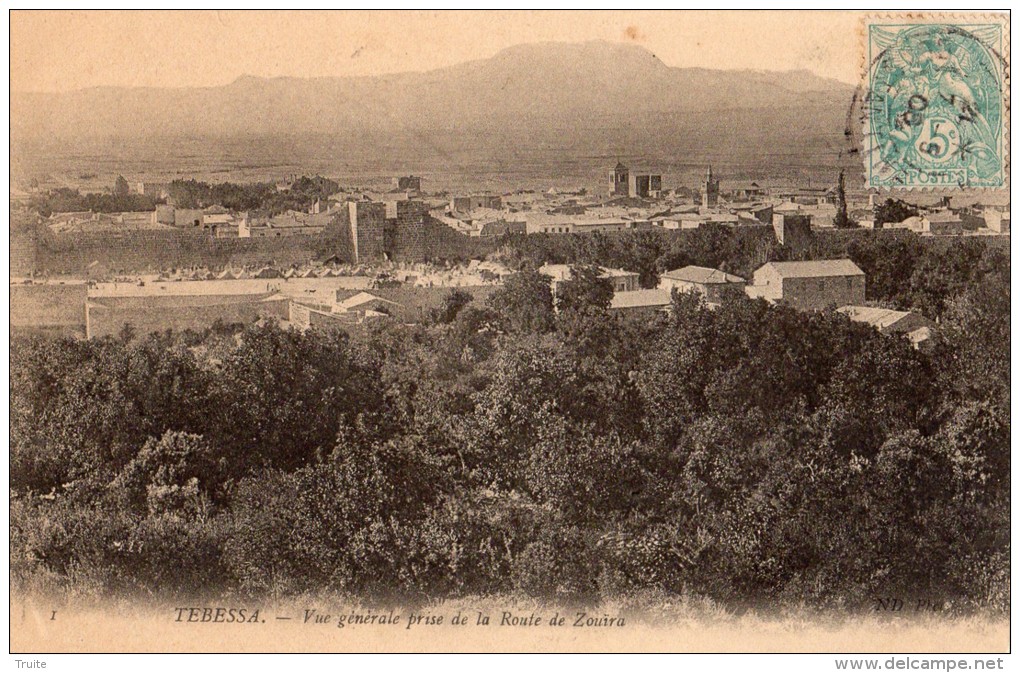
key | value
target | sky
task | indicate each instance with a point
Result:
(65, 50)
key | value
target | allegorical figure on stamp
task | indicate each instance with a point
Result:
(936, 106)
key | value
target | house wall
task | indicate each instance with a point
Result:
(944, 228)
(997, 221)
(407, 231)
(710, 193)
(164, 214)
(410, 182)
(299, 314)
(367, 220)
(638, 185)
(765, 215)
(24, 250)
(814, 294)
(155, 250)
(791, 228)
(679, 285)
(305, 316)
(768, 284)
(585, 227)
(107, 319)
(639, 312)
(404, 231)
(627, 283)
(188, 218)
(466, 203)
(712, 292)
(281, 232)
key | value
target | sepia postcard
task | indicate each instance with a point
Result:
(510, 331)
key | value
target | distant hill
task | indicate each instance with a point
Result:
(584, 86)
(531, 114)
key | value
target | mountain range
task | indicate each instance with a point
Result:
(588, 85)
(556, 100)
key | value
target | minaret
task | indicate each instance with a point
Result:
(710, 190)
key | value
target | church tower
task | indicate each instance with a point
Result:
(710, 190)
(621, 180)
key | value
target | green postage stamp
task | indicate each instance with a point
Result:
(936, 109)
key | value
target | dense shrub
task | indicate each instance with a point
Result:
(746, 454)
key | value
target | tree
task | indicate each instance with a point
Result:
(976, 338)
(893, 210)
(842, 220)
(121, 187)
(587, 289)
(72, 414)
(285, 395)
(453, 302)
(747, 453)
(168, 474)
(525, 302)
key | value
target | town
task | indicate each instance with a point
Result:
(392, 331)
(392, 252)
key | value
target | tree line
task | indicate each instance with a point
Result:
(904, 271)
(261, 198)
(67, 200)
(258, 198)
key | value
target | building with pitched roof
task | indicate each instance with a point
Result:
(641, 301)
(365, 304)
(745, 191)
(714, 285)
(811, 285)
(887, 321)
(623, 281)
(940, 223)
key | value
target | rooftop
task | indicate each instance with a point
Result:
(873, 315)
(358, 300)
(542, 219)
(563, 272)
(702, 275)
(816, 268)
(640, 299)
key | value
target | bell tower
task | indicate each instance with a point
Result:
(710, 190)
